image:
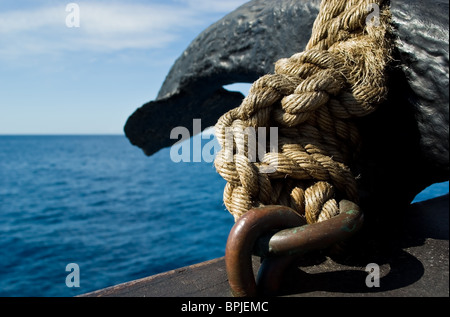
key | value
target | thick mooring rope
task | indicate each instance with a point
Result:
(312, 98)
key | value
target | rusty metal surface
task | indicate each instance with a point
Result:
(301, 239)
(242, 239)
(279, 249)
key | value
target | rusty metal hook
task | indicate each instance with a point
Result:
(250, 233)
(242, 239)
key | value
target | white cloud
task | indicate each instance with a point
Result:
(20, 21)
(105, 26)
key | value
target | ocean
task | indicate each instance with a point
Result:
(99, 203)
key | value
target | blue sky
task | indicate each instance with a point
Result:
(88, 80)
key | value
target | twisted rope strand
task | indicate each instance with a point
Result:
(312, 98)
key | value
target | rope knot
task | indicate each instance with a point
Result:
(312, 99)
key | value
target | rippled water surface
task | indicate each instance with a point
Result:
(101, 203)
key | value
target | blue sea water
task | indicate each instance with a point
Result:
(99, 202)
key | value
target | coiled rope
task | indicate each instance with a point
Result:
(313, 99)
